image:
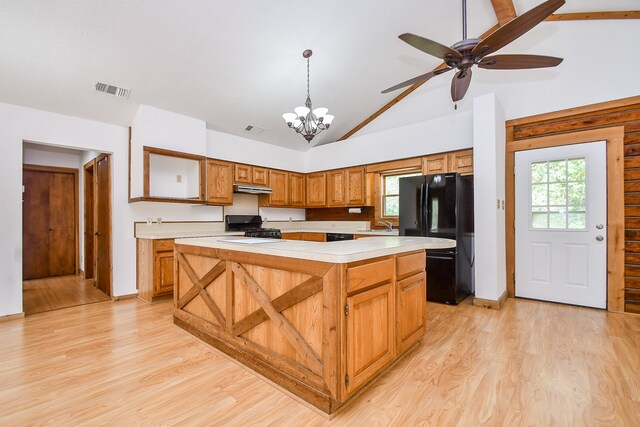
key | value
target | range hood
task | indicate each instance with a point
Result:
(251, 189)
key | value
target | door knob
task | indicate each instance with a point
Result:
(599, 238)
(97, 233)
(599, 226)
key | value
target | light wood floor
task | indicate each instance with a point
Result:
(125, 362)
(54, 293)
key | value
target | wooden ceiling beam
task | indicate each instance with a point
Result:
(402, 95)
(585, 16)
(504, 9)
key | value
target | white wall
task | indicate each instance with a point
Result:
(237, 149)
(163, 177)
(489, 192)
(153, 127)
(581, 79)
(20, 123)
(448, 133)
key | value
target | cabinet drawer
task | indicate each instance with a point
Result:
(361, 276)
(411, 263)
(163, 245)
(314, 237)
(292, 236)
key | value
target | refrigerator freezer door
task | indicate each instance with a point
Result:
(441, 278)
(441, 206)
(412, 196)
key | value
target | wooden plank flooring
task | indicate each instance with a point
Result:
(54, 293)
(124, 362)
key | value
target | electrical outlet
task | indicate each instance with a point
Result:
(159, 220)
(178, 178)
(149, 221)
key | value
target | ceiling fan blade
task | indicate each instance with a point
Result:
(518, 62)
(428, 46)
(421, 78)
(460, 84)
(515, 28)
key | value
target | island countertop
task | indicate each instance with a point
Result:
(340, 252)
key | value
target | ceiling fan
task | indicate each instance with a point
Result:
(466, 53)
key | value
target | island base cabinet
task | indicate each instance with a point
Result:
(411, 306)
(370, 335)
(287, 319)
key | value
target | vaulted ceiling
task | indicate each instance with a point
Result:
(231, 64)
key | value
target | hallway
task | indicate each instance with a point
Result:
(54, 293)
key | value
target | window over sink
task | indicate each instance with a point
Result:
(390, 192)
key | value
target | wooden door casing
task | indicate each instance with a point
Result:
(89, 220)
(103, 222)
(50, 221)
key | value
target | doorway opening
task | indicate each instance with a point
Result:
(66, 249)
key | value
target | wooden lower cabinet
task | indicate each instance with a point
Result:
(155, 268)
(292, 236)
(320, 330)
(314, 237)
(370, 334)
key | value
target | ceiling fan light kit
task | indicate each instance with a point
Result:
(466, 53)
(305, 120)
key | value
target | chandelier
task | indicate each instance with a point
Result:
(306, 121)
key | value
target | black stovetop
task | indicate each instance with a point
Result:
(251, 225)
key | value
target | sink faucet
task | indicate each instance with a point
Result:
(387, 224)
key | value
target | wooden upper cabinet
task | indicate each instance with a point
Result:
(435, 163)
(336, 188)
(454, 161)
(296, 190)
(316, 189)
(219, 182)
(279, 183)
(356, 186)
(242, 174)
(260, 176)
(461, 162)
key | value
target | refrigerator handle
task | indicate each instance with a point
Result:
(421, 207)
(424, 207)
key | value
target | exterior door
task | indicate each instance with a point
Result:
(103, 221)
(561, 223)
(49, 222)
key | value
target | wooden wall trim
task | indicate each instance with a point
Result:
(584, 109)
(587, 16)
(410, 163)
(614, 136)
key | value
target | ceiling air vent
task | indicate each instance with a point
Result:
(253, 129)
(113, 90)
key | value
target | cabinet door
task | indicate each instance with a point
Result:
(279, 182)
(411, 306)
(242, 174)
(314, 237)
(260, 176)
(317, 189)
(437, 163)
(219, 182)
(355, 186)
(296, 190)
(370, 334)
(336, 191)
(462, 162)
(292, 236)
(163, 274)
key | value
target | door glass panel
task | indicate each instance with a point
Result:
(558, 190)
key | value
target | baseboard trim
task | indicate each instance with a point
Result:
(489, 303)
(124, 297)
(12, 317)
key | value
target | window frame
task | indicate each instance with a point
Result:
(382, 195)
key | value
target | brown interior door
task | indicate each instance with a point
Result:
(49, 224)
(103, 220)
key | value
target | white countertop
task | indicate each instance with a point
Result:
(335, 252)
(379, 232)
(187, 234)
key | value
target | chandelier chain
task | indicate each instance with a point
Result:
(308, 78)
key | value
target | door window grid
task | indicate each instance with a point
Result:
(558, 193)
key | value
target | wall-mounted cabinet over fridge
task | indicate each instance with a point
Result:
(442, 206)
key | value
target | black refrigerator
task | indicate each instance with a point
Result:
(442, 206)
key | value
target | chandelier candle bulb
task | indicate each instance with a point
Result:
(306, 121)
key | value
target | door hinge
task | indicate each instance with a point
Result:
(346, 380)
(346, 310)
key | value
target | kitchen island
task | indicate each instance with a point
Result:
(319, 319)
